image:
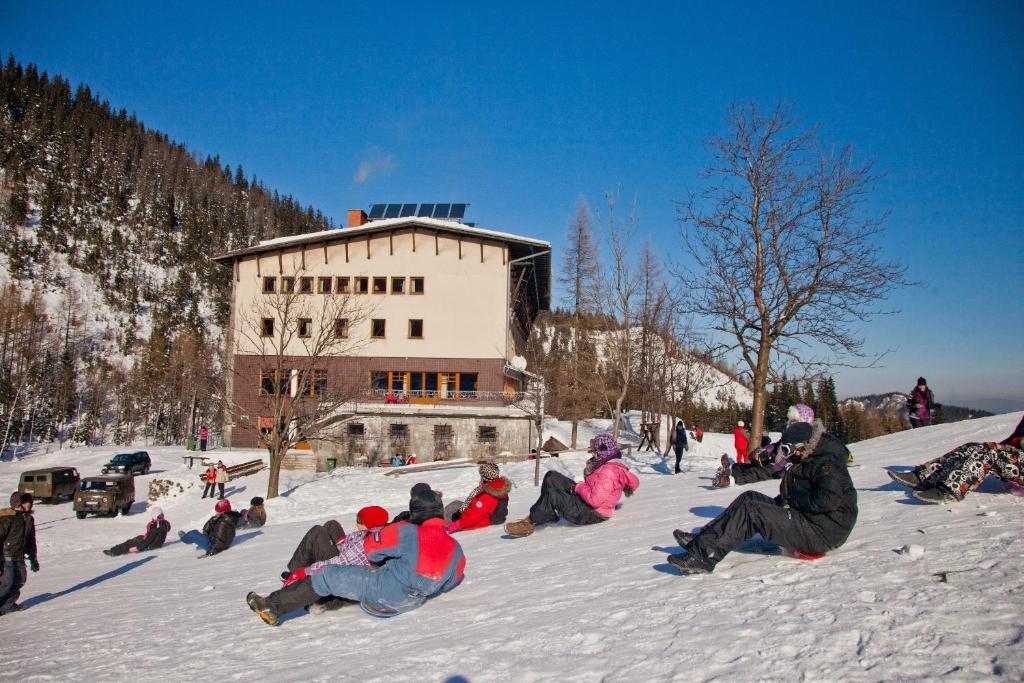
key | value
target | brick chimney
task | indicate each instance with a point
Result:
(356, 217)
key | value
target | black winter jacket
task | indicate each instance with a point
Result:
(819, 486)
(220, 530)
(156, 536)
(18, 536)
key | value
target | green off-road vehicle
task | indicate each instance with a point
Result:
(105, 494)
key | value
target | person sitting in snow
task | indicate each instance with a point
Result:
(409, 564)
(814, 512)
(396, 460)
(219, 530)
(605, 479)
(767, 462)
(950, 477)
(153, 538)
(485, 505)
(255, 516)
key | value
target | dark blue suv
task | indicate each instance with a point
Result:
(129, 463)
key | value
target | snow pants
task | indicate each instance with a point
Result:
(122, 548)
(558, 498)
(11, 583)
(210, 489)
(748, 473)
(755, 513)
(319, 544)
(292, 597)
(964, 468)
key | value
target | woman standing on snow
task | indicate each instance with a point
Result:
(590, 501)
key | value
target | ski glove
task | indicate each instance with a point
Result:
(628, 490)
(297, 575)
(33, 564)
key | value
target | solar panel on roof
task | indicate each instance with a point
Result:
(377, 211)
(392, 210)
(441, 210)
(458, 211)
(407, 210)
(426, 210)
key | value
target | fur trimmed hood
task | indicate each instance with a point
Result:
(499, 488)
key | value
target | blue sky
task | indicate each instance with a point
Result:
(523, 109)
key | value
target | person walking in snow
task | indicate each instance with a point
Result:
(210, 477)
(486, 504)
(920, 404)
(605, 479)
(739, 438)
(222, 478)
(409, 564)
(204, 434)
(153, 538)
(950, 477)
(219, 530)
(18, 542)
(769, 461)
(814, 512)
(677, 440)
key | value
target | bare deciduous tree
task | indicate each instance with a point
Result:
(293, 334)
(786, 254)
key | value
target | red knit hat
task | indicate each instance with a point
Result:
(372, 515)
(223, 505)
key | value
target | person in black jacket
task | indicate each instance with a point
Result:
(814, 512)
(18, 540)
(156, 534)
(677, 439)
(219, 530)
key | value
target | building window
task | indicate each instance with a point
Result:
(269, 285)
(397, 430)
(319, 383)
(267, 327)
(305, 327)
(377, 328)
(362, 285)
(398, 285)
(487, 434)
(467, 382)
(380, 285)
(344, 285)
(306, 285)
(416, 285)
(356, 429)
(415, 329)
(324, 285)
(271, 385)
(341, 328)
(379, 380)
(287, 285)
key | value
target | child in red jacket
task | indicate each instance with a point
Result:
(486, 504)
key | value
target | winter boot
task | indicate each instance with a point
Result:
(689, 563)
(683, 538)
(329, 604)
(108, 553)
(261, 606)
(936, 495)
(523, 527)
(909, 479)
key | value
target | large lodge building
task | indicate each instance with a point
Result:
(446, 308)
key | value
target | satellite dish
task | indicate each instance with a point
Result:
(518, 362)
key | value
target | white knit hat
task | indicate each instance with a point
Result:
(740, 423)
(155, 512)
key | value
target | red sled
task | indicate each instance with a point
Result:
(800, 555)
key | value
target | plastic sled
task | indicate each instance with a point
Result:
(800, 555)
(1015, 488)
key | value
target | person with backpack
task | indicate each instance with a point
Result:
(153, 538)
(410, 563)
(18, 543)
(486, 504)
(605, 479)
(920, 404)
(814, 512)
(677, 440)
(950, 477)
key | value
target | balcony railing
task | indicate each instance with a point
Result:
(431, 396)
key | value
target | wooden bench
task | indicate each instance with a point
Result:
(204, 460)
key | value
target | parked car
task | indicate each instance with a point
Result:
(129, 463)
(105, 495)
(49, 484)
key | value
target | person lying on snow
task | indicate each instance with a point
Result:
(767, 462)
(153, 538)
(950, 477)
(255, 517)
(328, 544)
(814, 512)
(219, 530)
(605, 479)
(409, 563)
(485, 505)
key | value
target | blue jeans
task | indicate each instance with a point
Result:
(372, 587)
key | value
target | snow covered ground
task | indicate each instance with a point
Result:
(580, 604)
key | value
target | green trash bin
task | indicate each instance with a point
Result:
(190, 443)
(331, 464)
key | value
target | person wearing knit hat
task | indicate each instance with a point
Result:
(486, 504)
(800, 413)
(605, 479)
(424, 503)
(18, 539)
(371, 516)
(153, 538)
(920, 404)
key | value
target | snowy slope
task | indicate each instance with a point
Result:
(577, 604)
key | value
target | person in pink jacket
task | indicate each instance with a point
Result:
(590, 501)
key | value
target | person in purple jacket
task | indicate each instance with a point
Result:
(605, 479)
(920, 404)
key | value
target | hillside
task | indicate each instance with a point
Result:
(568, 604)
(894, 404)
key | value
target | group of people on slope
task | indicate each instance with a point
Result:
(219, 531)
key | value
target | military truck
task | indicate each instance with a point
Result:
(50, 484)
(105, 494)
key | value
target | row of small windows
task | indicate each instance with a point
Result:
(294, 382)
(442, 433)
(378, 328)
(344, 285)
